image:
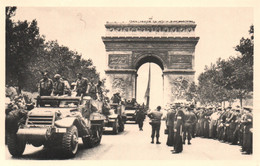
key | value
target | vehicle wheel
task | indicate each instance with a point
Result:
(95, 137)
(70, 141)
(15, 146)
(122, 126)
(115, 127)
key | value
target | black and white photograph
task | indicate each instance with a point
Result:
(123, 81)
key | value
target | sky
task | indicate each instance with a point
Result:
(81, 29)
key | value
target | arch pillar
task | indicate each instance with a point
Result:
(122, 81)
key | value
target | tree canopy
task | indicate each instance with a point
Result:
(28, 54)
(229, 79)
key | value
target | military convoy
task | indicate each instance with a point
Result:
(59, 122)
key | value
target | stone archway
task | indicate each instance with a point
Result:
(170, 44)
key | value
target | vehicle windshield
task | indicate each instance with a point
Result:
(59, 103)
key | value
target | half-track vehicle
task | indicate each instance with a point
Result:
(130, 111)
(115, 118)
(59, 121)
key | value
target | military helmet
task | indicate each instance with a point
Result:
(57, 76)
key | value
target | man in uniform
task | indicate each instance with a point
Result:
(190, 120)
(116, 98)
(247, 121)
(45, 86)
(140, 116)
(92, 92)
(67, 88)
(81, 86)
(170, 124)
(100, 91)
(58, 86)
(155, 117)
(179, 121)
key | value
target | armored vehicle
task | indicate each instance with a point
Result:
(116, 118)
(59, 122)
(130, 111)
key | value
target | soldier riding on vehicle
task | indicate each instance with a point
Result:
(45, 86)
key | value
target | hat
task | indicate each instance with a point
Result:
(57, 76)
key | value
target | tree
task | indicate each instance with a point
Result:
(22, 41)
(28, 55)
(231, 78)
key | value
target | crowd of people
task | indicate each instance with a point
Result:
(231, 125)
(184, 122)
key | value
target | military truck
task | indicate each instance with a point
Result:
(115, 118)
(130, 111)
(59, 121)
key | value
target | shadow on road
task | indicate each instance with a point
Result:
(50, 154)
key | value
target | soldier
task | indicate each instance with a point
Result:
(58, 86)
(155, 117)
(116, 98)
(247, 121)
(45, 86)
(170, 124)
(190, 120)
(140, 116)
(81, 86)
(67, 88)
(92, 91)
(100, 90)
(179, 121)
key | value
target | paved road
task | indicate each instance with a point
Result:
(133, 144)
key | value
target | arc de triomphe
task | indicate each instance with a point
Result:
(169, 44)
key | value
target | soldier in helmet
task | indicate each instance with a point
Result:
(45, 86)
(155, 117)
(81, 86)
(190, 120)
(58, 86)
(92, 92)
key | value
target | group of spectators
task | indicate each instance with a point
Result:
(231, 125)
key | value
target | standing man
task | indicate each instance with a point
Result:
(247, 121)
(67, 88)
(190, 120)
(140, 116)
(179, 121)
(155, 117)
(170, 124)
(45, 86)
(100, 91)
(92, 92)
(58, 86)
(81, 85)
